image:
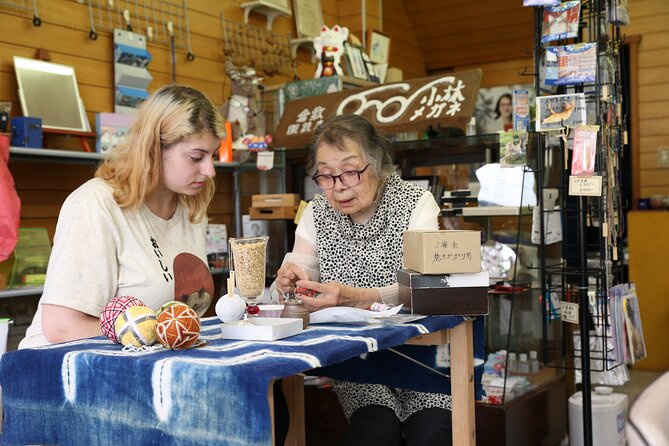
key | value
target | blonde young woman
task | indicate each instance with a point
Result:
(139, 226)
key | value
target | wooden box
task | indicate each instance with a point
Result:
(443, 294)
(274, 200)
(279, 213)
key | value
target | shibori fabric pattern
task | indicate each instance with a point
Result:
(91, 392)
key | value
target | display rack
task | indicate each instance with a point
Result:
(580, 271)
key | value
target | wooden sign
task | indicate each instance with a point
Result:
(412, 105)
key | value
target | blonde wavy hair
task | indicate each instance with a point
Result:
(134, 167)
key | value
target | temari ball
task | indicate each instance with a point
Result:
(136, 326)
(111, 311)
(178, 327)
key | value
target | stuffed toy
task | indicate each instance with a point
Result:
(241, 109)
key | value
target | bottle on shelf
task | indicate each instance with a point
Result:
(471, 127)
(511, 364)
(534, 362)
(523, 364)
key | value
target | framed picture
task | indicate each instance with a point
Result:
(355, 62)
(378, 45)
(308, 17)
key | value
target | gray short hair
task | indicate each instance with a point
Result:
(376, 148)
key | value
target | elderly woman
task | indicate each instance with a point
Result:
(348, 247)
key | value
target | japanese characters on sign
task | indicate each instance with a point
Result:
(404, 106)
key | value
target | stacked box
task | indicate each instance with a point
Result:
(274, 206)
(442, 273)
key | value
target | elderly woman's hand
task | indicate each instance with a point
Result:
(288, 275)
(334, 294)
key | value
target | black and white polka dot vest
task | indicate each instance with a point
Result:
(365, 255)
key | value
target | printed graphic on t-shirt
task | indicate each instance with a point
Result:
(193, 283)
(161, 260)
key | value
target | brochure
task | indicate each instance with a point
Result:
(571, 64)
(558, 111)
(561, 21)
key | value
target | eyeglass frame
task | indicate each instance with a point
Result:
(338, 177)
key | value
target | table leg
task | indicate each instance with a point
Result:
(462, 384)
(293, 389)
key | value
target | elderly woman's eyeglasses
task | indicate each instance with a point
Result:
(349, 178)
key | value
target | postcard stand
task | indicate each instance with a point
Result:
(580, 275)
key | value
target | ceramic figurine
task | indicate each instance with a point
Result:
(329, 46)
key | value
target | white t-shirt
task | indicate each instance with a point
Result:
(101, 251)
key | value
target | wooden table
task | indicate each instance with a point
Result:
(462, 385)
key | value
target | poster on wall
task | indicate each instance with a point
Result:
(494, 108)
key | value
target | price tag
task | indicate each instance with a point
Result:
(443, 358)
(265, 160)
(585, 186)
(569, 312)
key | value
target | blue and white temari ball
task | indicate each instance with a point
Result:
(136, 326)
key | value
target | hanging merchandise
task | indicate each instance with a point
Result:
(571, 64)
(131, 75)
(23, 5)
(585, 149)
(163, 22)
(561, 21)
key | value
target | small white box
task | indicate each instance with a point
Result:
(262, 329)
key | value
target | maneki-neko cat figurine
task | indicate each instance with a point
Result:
(330, 47)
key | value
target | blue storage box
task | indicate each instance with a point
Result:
(27, 132)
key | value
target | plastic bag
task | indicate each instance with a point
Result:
(10, 204)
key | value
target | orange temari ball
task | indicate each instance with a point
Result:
(178, 327)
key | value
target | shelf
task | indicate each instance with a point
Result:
(491, 211)
(270, 9)
(18, 292)
(75, 155)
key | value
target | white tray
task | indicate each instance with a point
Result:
(262, 329)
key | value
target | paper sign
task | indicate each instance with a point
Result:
(585, 186)
(265, 160)
(569, 312)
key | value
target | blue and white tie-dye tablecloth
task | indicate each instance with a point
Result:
(90, 392)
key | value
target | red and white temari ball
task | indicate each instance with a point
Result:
(178, 327)
(136, 326)
(111, 311)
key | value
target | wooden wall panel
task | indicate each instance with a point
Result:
(453, 33)
(405, 50)
(649, 19)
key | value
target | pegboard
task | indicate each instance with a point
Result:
(248, 45)
(159, 20)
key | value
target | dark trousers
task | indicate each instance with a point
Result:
(281, 416)
(379, 426)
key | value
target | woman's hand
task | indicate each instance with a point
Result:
(288, 275)
(334, 294)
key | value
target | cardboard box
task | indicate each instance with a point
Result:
(274, 200)
(282, 213)
(444, 294)
(442, 252)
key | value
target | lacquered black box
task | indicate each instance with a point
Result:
(461, 294)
